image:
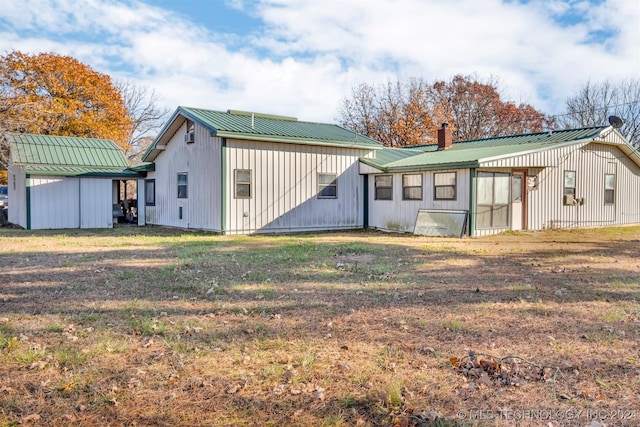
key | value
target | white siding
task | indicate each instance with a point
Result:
(141, 202)
(284, 188)
(53, 202)
(400, 215)
(202, 161)
(545, 208)
(17, 196)
(95, 209)
(66, 202)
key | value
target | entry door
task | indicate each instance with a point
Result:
(518, 202)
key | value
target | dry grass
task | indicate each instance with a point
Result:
(162, 327)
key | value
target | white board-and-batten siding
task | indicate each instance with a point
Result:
(284, 188)
(201, 160)
(400, 215)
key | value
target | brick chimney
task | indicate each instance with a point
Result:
(444, 137)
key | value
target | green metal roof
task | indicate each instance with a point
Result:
(67, 155)
(262, 127)
(466, 154)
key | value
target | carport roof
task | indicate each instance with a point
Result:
(68, 156)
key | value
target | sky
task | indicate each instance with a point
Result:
(301, 58)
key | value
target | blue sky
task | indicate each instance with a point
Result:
(302, 57)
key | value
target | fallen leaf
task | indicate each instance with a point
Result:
(32, 418)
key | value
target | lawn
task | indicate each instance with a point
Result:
(159, 327)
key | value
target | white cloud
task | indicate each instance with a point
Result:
(311, 53)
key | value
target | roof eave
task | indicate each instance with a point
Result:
(580, 142)
(294, 140)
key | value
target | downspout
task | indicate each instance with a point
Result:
(223, 184)
(472, 202)
(365, 206)
(28, 199)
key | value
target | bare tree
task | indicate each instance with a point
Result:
(595, 102)
(410, 112)
(395, 113)
(146, 115)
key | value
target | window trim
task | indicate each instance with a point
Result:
(237, 183)
(406, 187)
(454, 186)
(321, 187)
(568, 191)
(610, 190)
(148, 182)
(185, 185)
(381, 187)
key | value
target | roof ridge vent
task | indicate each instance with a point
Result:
(262, 115)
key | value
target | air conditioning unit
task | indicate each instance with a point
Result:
(189, 138)
(569, 200)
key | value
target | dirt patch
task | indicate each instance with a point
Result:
(160, 327)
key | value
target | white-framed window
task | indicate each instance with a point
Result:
(150, 192)
(493, 199)
(609, 189)
(569, 186)
(384, 187)
(412, 187)
(182, 185)
(327, 186)
(242, 183)
(444, 186)
(191, 131)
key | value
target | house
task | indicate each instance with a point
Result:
(66, 182)
(561, 179)
(237, 172)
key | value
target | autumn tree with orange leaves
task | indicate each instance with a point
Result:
(410, 113)
(58, 95)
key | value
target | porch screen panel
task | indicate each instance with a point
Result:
(493, 200)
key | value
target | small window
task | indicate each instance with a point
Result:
(516, 188)
(327, 186)
(243, 183)
(182, 185)
(609, 189)
(412, 187)
(190, 136)
(569, 183)
(384, 187)
(569, 186)
(150, 192)
(444, 186)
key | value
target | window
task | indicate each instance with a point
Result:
(444, 186)
(150, 192)
(384, 187)
(609, 189)
(243, 183)
(327, 186)
(412, 187)
(493, 200)
(191, 132)
(182, 185)
(569, 187)
(516, 188)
